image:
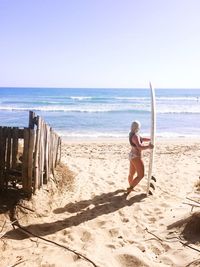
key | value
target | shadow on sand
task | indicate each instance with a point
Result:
(100, 205)
(9, 199)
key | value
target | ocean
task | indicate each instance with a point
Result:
(103, 113)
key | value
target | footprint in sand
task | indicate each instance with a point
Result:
(153, 219)
(68, 236)
(125, 220)
(101, 223)
(157, 250)
(86, 236)
(111, 246)
(114, 232)
(111, 183)
(130, 261)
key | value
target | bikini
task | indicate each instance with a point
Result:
(135, 153)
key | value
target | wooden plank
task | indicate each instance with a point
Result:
(39, 152)
(1, 159)
(21, 133)
(41, 155)
(15, 145)
(30, 160)
(53, 153)
(4, 153)
(31, 119)
(60, 150)
(47, 153)
(36, 157)
(45, 178)
(56, 150)
(25, 160)
(8, 155)
(50, 150)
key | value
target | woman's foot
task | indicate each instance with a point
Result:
(130, 180)
(130, 188)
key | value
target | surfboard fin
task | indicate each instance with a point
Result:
(152, 186)
(153, 178)
(150, 193)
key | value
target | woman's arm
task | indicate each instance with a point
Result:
(137, 141)
(146, 139)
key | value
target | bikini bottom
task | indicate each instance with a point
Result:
(133, 155)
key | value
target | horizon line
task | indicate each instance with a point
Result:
(142, 88)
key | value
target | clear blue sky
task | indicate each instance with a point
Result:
(100, 43)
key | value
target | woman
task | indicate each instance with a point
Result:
(135, 157)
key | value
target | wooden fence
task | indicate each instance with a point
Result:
(28, 156)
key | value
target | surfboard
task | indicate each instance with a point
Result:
(150, 177)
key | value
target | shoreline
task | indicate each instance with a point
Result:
(181, 140)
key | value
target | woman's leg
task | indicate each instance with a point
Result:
(132, 171)
(139, 166)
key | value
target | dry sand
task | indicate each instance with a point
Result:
(95, 218)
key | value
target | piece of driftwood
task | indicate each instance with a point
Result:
(198, 202)
(28, 232)
(17, 263)
(194, 204)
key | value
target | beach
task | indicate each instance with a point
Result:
(95, 218)
(83, 84)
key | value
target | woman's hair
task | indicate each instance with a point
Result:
(135, 126)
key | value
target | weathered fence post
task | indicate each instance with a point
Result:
(30, 159)
(25, 159)
(4, 150)
(31, 120)
(8, 155)
(36, 156)
(15, 147)
(1, 160)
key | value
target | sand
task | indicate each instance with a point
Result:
(94, 217)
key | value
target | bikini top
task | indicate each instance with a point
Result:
(131, 134)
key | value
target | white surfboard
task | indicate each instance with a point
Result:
(153, 137)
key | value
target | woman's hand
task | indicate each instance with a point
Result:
(151, 146)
